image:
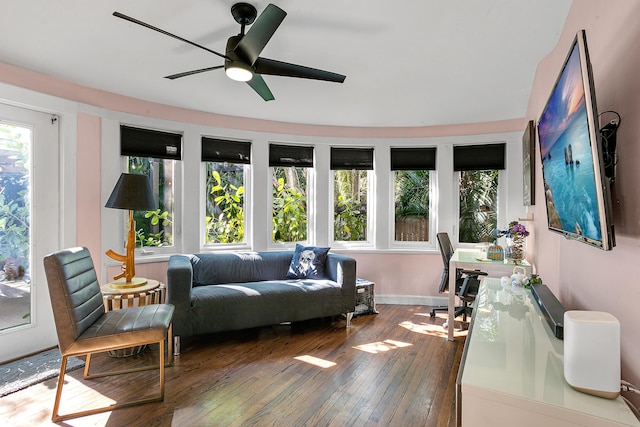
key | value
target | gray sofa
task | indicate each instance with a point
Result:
(216, 292)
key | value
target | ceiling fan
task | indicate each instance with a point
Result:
(242, 60)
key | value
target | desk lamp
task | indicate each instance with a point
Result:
(132, 192)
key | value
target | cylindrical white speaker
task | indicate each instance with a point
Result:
(592, 352)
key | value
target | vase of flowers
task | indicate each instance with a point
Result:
(516, 235)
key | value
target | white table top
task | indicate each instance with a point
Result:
(512, 352)
(474, 256)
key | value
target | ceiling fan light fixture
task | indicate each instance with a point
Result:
(239, 71)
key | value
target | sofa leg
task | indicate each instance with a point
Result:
(349, 317)
(176, 345)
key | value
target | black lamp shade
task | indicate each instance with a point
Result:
(132, 192)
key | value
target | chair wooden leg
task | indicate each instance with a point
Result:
(87, 362)
(63, 365)
(162, 370)
(56, 404)
(170, 352)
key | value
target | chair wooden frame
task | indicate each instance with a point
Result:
(87, 376)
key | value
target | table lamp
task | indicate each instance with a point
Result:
(132, 192)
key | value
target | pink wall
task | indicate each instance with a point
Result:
(583, 277)
(88, 186)
(401, 274)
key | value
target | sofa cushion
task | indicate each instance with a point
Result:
(308, 262)
(232, 267)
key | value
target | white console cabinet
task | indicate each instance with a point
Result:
(511, 373)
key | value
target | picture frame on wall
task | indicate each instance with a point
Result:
(528, 169)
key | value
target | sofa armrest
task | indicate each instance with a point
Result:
(179, 282)
(342, 270)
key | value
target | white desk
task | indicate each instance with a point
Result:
(512, 370)
(471, 259)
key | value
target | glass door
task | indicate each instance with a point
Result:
(15, 230)
(29, 228)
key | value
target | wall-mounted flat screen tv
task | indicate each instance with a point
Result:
(577, 193)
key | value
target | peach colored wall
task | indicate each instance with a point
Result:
(88, 186)
(581, 276)
(401, 274)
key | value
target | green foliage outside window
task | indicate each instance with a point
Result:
(411, 205)
(350, 205)
(154, 228)
(14, 196)
(225, 204)
(478, 205)
(289, 204)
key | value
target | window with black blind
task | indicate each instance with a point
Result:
(290, 168)
(411, 166)
(226, 166)
(153, 153)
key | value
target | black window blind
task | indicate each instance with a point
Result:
(150, 143)
(290, 155)
(351, 158)
(415, 158)
(221, 150)
(478, 157)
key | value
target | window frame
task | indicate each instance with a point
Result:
(369, 241)
(247, 174)
(153, 251)
(413, 245)
(433, 173)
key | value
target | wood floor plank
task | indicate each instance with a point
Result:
(393, 368)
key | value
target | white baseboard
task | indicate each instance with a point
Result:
(412, 300)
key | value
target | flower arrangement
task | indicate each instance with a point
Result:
(515, 234)
(515, 230)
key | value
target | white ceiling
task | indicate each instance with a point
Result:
(408, 63)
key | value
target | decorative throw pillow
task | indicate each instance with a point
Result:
(307, 262)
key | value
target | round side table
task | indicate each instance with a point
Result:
(117, 297)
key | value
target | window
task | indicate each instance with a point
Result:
(411, 190)
(155, 228)
(15, 219)
(226, 170)
(351, 168)
(478, 189)
(154, 154)
(290, 165)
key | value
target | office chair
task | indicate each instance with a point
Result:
(84, 327)
(467, 281)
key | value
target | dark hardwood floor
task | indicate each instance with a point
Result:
(395, 368)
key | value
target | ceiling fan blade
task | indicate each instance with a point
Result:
(258, 84)
(166, 33)
(251, 45)
(189, 73)
(279, 68)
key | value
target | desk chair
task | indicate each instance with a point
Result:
(467, 281)
(84, 327)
